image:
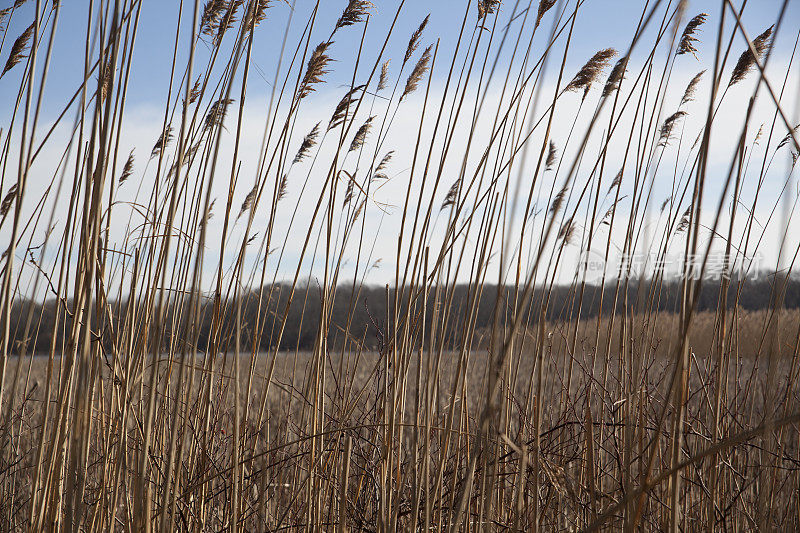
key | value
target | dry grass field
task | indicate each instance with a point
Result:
(583, 395)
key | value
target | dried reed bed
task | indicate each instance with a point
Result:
(355, 391)
(140, 418)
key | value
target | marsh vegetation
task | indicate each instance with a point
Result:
(418, 273)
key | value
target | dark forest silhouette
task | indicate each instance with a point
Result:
(363, 318)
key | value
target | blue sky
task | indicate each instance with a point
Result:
(600, 24)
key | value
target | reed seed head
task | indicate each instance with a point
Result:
(558, 200)
(308, 143)
(216, 114)
(451, 197)
(316, 69)
(194, 92)
(552, 152)
(487, 7)
(18, 49)
(686, 43)
(747, 60)
(384, 75)
(590, 71)
(416, 75)
(4, 18)
(354, 13)
(212, 13)
(282, 188)
(616, 181)
(247, 204)
(227, 21)
(8, 199)
(255, 14)
(208, 215)
(544, 7)
(345, 107)
(668, 126)
(361, 135)
(127, 169)
(615, 77)
(162, 142)
(688, 94)
(567, 232)
(413, 42)
(788, 138)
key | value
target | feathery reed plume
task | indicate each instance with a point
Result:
(379, 174)
(18, 49)
(384, 77)
(616, 181)
(615, 77)
(665, 203)
(413, 42)
(567, 231)
(212, 13)
(684, 221)
(552, 152)
(282, 189)
(688, 94)
(758, 134)
(104, 83)
(544, 7)
(416, 75)
(162, 142)
(353, 13)
(247, 204)
(208, 215)
(487, 7)
(345, 107)
(787, 138)
(358, 210)
(669, 124)
(606, 220)
(686, 44)
(384, 161)
(255, 14)
(348, 194)
(452, 194)
(361, 135)
(228, 19)
(188, 156)
(350, 184)
(8, 199)
(747, 60)
(3, 14)
(216, 113)
(194, 93)
(127, 169)
(555, 207)
(316, 68)
(308, 143)
(590, 71)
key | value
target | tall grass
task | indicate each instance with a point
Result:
(167, 398)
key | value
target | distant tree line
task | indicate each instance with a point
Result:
(362, 317)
